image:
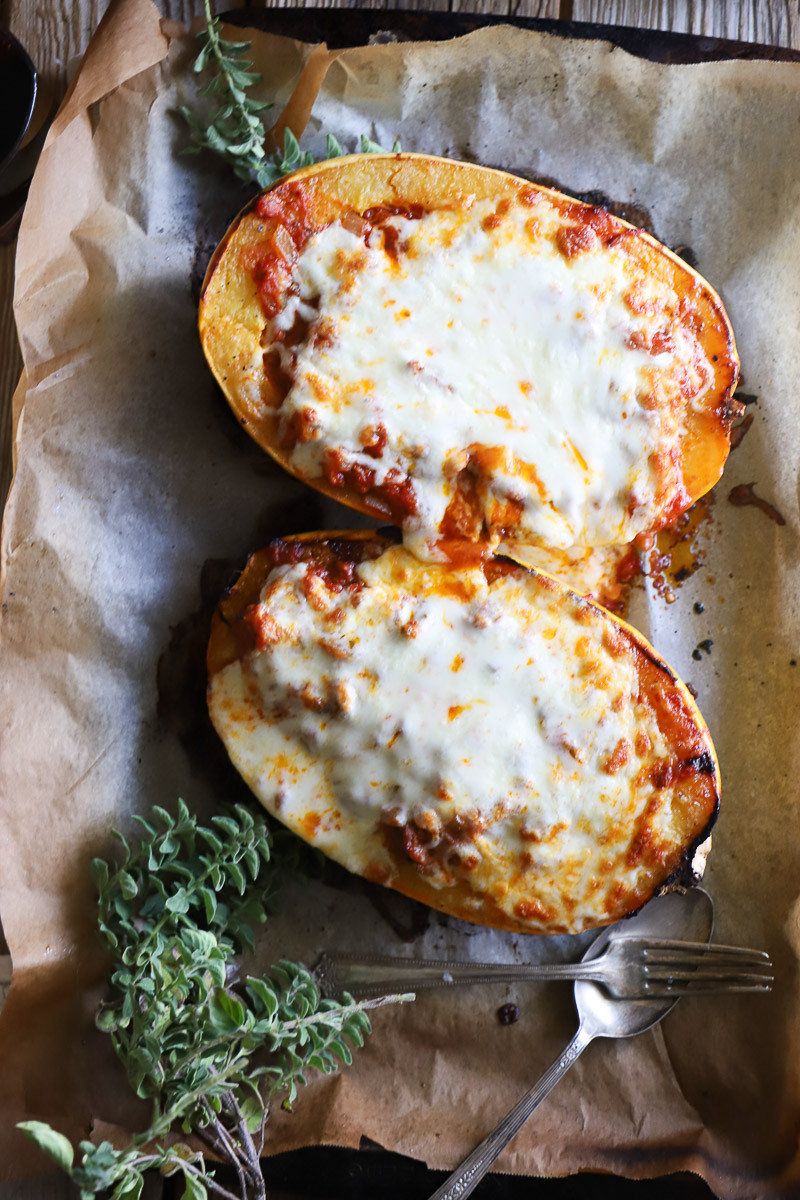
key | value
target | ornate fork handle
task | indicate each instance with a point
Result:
(468, 1175)
(361, 975)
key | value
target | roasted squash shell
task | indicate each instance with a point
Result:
(479, 738)
(470, 355)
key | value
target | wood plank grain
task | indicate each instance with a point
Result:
(506, 8)
(771, 22)
(538, 8)
(54, 32)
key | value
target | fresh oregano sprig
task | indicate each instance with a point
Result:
(234, 129)
(210, 1054)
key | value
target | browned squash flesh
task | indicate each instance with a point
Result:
(477, 737)
(624, 428)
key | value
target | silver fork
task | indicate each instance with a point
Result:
(629, 968)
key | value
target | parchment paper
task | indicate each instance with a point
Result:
(132, 473)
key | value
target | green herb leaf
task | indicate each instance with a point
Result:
(233, 129)
(127, 885)
(99, 874)
(129, 1188)
(253, 1112)
(227, 1014)
(175, 910)
(53, 1143)
(195, 1189)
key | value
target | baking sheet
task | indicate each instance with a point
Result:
(132, 475)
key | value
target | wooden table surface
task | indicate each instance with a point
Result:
(56, 31)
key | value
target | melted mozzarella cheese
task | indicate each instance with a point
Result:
(497, 733)
(465, 330)
(589, 571)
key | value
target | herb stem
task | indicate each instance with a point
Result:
(248, 1144)
(149, 1160)
(262, 1131)
(323, 1017)
(223, 1144)
(216, 49)
(208, 1180)
(189, 1100)
(233, 129)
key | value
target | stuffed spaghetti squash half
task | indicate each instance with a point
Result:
(477, 737)
(469, 355)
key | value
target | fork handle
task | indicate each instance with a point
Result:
(378, 975)
(468, 1175)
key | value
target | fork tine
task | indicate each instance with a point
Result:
(690, 980)
(730, 962)
(659, 990)
(706, 976)
(668, 945)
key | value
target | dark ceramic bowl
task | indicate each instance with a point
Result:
(19, 92)
(18, 87)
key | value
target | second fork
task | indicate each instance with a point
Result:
(628, 968)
